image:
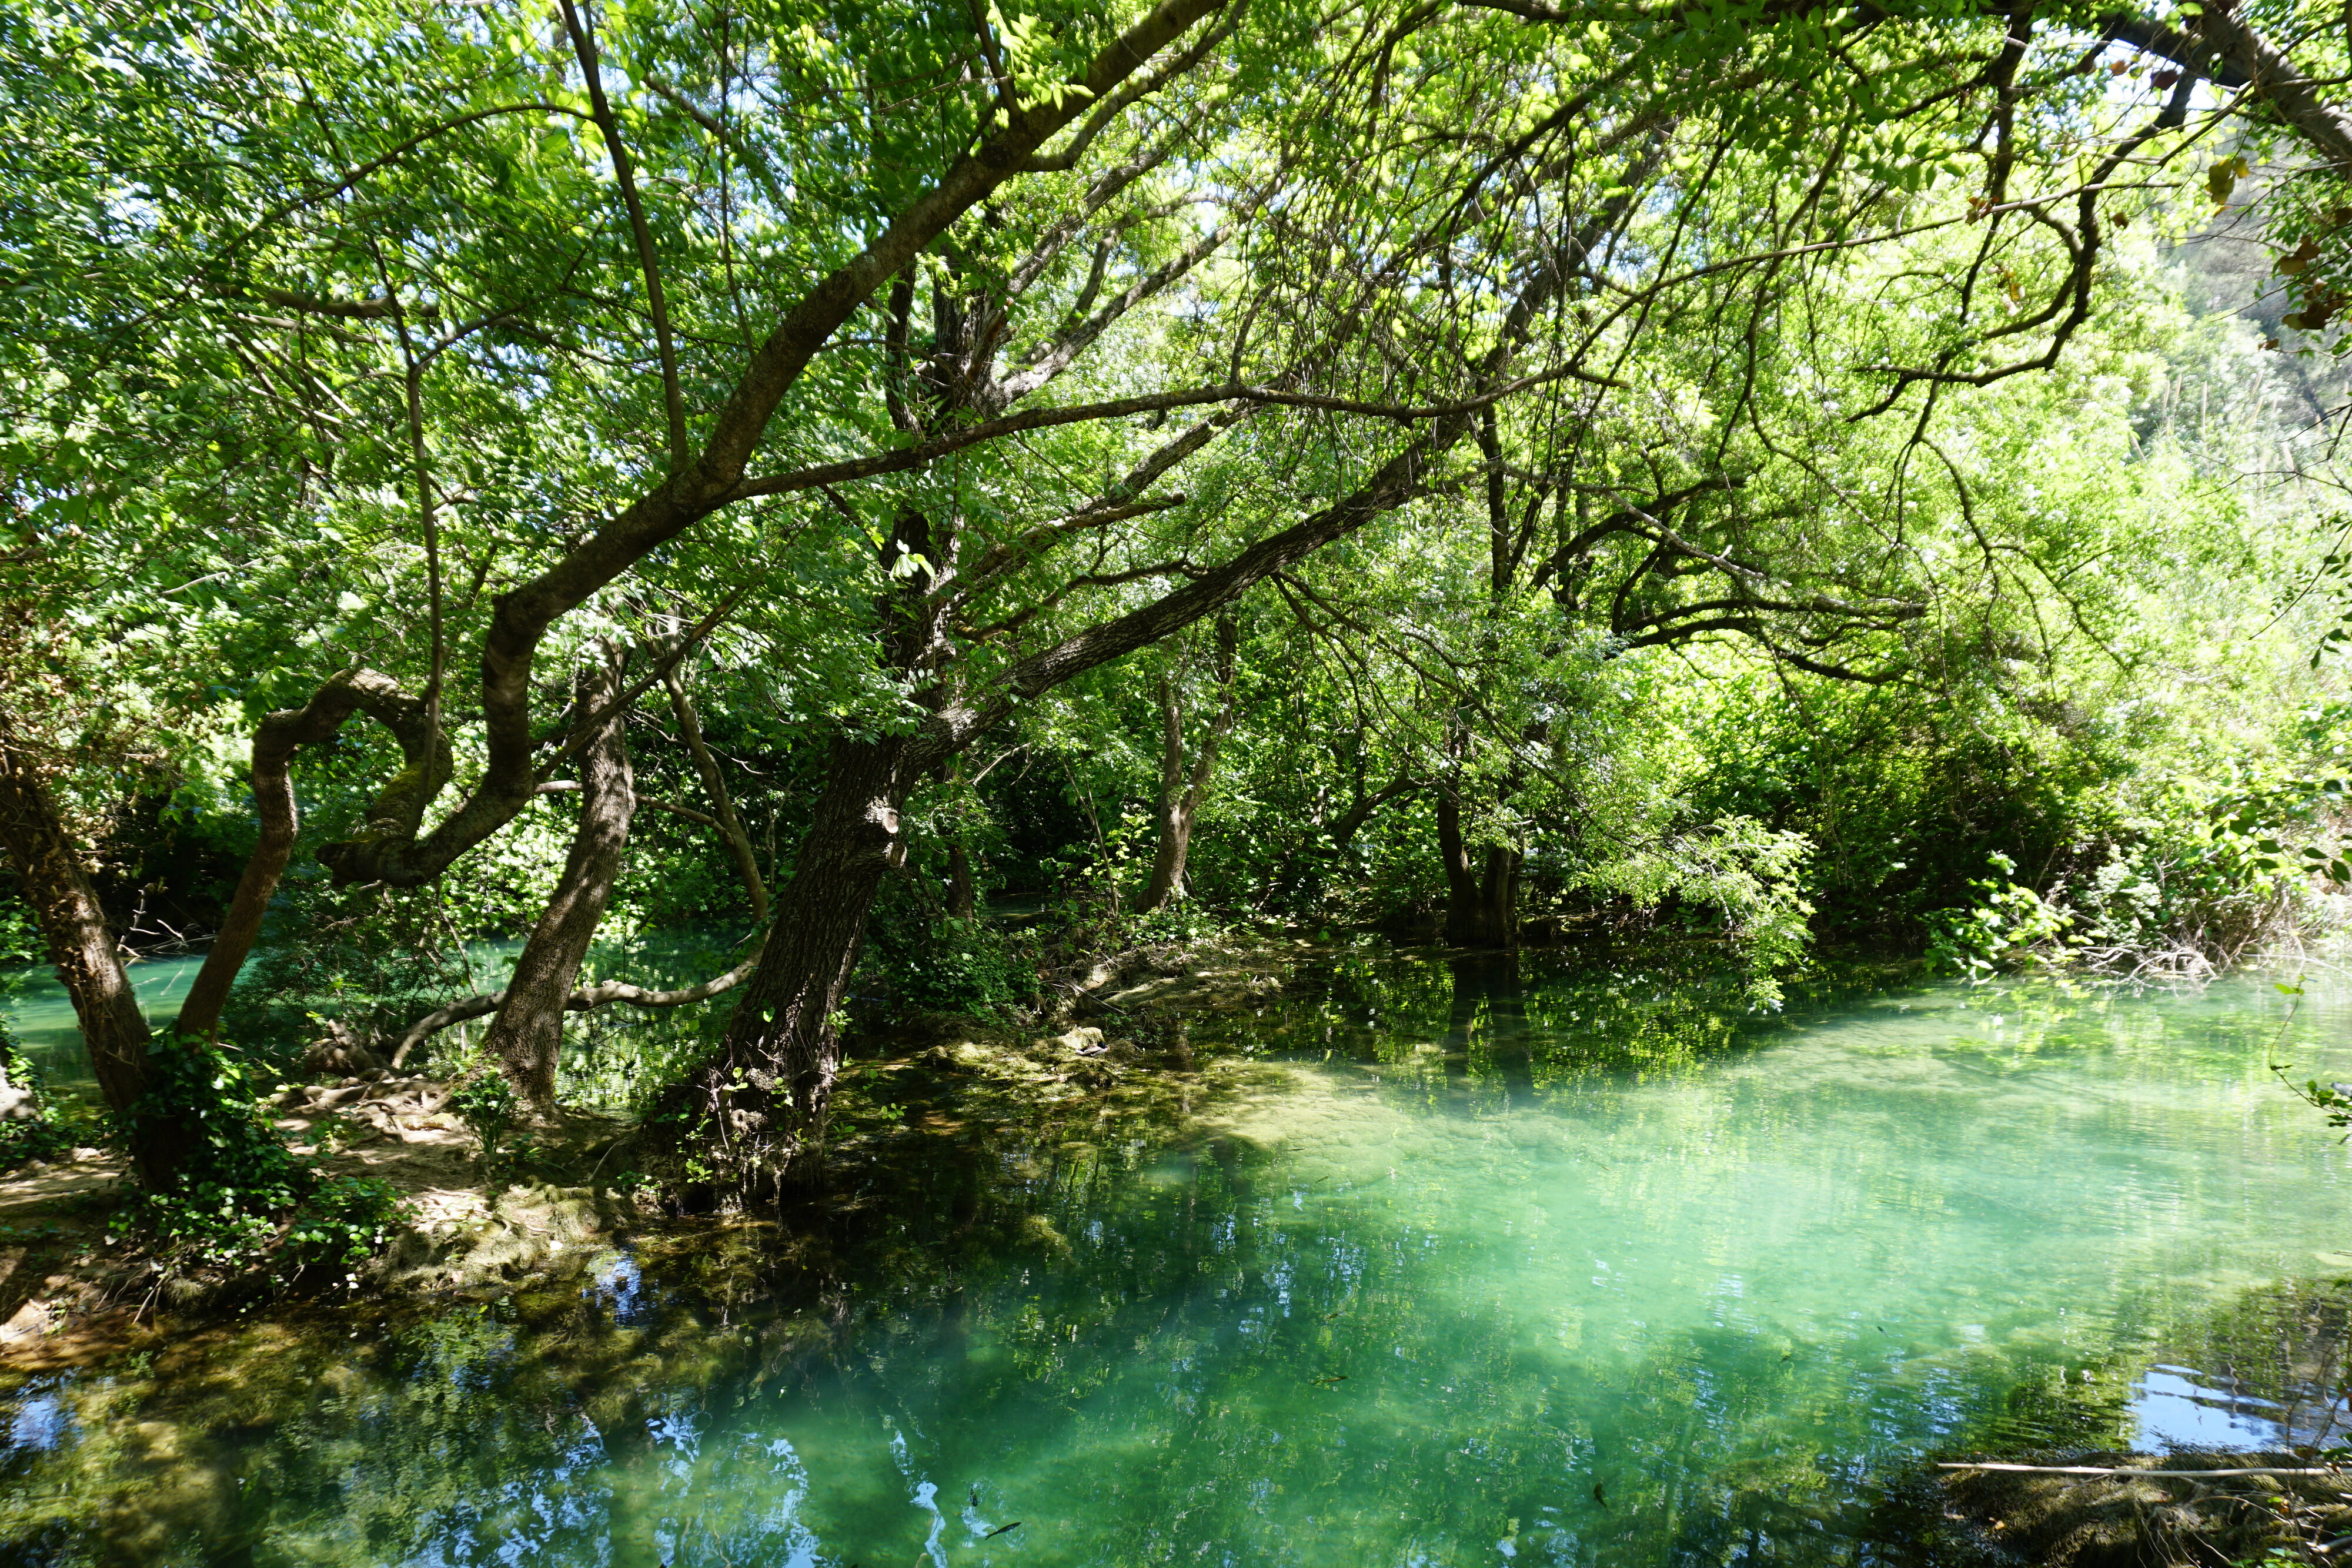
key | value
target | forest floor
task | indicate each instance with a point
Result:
(71, 1295)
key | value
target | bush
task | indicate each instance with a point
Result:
(2009, 924)
(242, 1201)
(37, 1127)
(2191, 887)
(943, 963)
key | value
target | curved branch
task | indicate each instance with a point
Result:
(394, 813)
(586, 1000)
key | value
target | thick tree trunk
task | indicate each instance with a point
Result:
(1499, 898)
(963, 889)
(1461, 884)
(760, 1099)
(528, 1036)
(1481, 891)
(81, 944)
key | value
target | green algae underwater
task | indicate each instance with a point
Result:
(1516, 1260)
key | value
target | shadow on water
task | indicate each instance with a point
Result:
(1437, 1259)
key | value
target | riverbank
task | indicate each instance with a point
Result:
(1117, 1044)
(2139, 1510)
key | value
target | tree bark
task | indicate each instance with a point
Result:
(761, 1097)
(1461, 884)
(81, 944)
(1498, 897)
(528, 1036)
(1174, 815)
(964, 888)
(1481, 893)
(964, 899)
(1180, 796)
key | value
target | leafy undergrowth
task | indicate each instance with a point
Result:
(241, 1206)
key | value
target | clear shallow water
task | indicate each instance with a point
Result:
(41, 1017)
(1466, 1266)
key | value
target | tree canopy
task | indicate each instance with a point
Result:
(1484, 468)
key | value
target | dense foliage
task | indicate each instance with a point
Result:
(601, 547)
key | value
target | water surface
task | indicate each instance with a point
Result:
(1480, 1263)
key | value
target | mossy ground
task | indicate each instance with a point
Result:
(949, 1092)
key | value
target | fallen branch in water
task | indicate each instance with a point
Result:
(2123, 1470)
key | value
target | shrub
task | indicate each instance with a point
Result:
(38, 1127)
(950, 965)
(2191, 887)
(242, 1201)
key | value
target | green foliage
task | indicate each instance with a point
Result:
(485, 1102)
(1752, 876)
(239, 1200)
(2009, 923)
(2334, 1098)
(2200, 879)
(42, 1127)
(936, 963)
(374, 958)
(1771, 599)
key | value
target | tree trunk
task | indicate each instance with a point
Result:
(963, 897)
(1173, 816)
(1481, 896)
(722, 804)
(1498, 899)
(722, 819)
(1180, 797)
(1461, 883)
(963, 890)
(528, 1036)
(397, 809)
(760, 1098)
(82, 946)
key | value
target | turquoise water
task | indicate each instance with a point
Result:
(1477, 1264)
(41, 1017)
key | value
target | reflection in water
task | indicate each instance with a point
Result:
(2268, 1373)
(1466, 1266)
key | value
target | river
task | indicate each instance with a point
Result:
(1532, 1261)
